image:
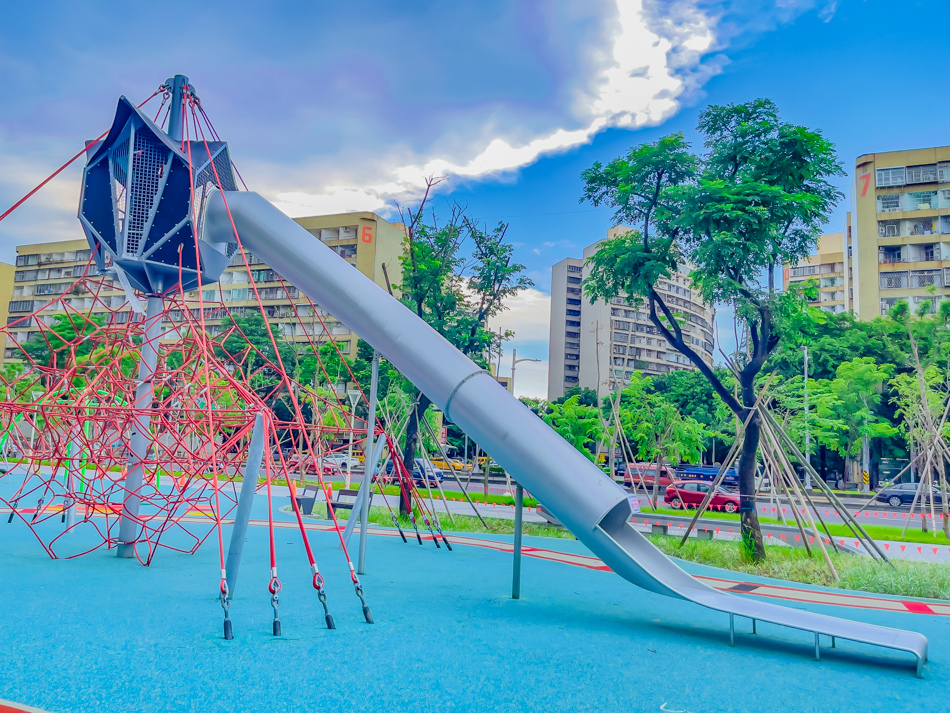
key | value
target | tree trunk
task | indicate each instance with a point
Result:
(752, 544)
(409, 454)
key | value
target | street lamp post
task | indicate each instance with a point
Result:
(514, 362)
(354, 395)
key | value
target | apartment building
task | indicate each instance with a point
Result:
(896, 237)
(830, 267)
(600, 345)
(900, 210)
(46, 271)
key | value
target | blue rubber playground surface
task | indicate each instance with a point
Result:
(98, 633)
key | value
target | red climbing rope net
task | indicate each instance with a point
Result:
(69, 409)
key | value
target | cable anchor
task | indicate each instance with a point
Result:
(226, 604)
(367, 614)
(274, 587)
(318, 584)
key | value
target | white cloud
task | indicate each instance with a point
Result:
(528, 316)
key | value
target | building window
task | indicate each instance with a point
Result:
(21, 306)
(574, 291)
(926, 173)
(890, 255)
(619, 361)
(572, 345)
(574, 268)
(925, 278)
(571, 367)
(573, 280)
(888, 228)
(573, 335)
(622, 325)
(573, 313)
(922, 200)
(620, 337)
(572, 301)
(570, 379)
(893, 280)
(890, 203)
(620, 349)
(890, 176)
(572, 357)
(22, 260)
(803, 271)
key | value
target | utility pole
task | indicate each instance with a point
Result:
(514, 363)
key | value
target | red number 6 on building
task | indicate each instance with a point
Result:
(366, 234)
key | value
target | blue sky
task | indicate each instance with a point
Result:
(339, 106)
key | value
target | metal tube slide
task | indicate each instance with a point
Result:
(591, 505)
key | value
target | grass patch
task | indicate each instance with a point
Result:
(927, 580)
(878, 532)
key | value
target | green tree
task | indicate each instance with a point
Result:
(756, 201)
(586, 396)
(579, 425)
(456, 275)
(67, 338)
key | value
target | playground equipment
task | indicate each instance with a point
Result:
(589, 503)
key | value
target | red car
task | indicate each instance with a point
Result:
(690, 493)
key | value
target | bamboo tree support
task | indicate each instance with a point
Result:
(767, 453)
(458, 482)
(844, 513)
(726, 463)
(808, 503)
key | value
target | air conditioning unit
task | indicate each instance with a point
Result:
(887, 230)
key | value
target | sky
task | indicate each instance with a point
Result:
(329, 107)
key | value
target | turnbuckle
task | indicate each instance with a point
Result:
(274, 588)
(367, 614)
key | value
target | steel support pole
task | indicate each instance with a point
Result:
(73, 476)
(368, 467)
(516, 561)
(252, 469)
(141, 439)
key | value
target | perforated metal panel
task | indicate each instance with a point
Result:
(148, 164)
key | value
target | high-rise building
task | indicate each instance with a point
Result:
(599, 345)
(45, 271)
(830, 269)
(898, 237)
(900, 215)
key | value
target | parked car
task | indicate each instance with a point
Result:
(310, 466)
(422, 473)
(453, 463)
(339, 460)
(690, 493)
(904, 493)
(638, 474)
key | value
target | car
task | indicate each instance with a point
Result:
(451, 463)
(339, 460)
(904, 494)
(310, 466)
(431, 474)
(643, 474)
(686, 494)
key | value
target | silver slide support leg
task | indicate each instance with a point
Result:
(516, 560)
(368, 468)
(255, 456)
(141, 430)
